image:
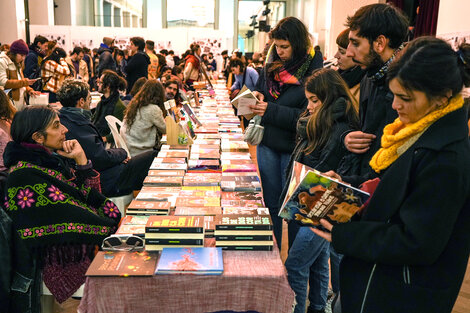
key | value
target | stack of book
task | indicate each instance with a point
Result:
(244, 232)
(174, 231)
(163, 194)
(242, 199)
(234, 146)
(133, 225)
(146, 208)
(246, 181)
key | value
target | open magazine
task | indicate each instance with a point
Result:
(242, 102)
(312, 196)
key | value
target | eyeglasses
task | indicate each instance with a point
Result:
(123, 243)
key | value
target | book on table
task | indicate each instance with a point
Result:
(175, 227)
(202, 179)
(249, 183)
(312, 196)
(195, 211)
(196, 201)
(156, 165)
(123, 263)
(199, 261)
(245, 210)
(163, 181)
(242, 102)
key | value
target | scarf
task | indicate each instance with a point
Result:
(290, 74)
(398, 137)
(352, 76)
(384, 69)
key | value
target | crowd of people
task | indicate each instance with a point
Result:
(388, 117)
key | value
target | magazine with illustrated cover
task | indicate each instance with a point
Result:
(312, 196)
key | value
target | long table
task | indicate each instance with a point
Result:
(252, 281)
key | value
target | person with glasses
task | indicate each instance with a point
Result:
(56, 208)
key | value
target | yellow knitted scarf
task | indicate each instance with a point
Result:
(398, 137)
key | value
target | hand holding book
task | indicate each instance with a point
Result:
(324, 234)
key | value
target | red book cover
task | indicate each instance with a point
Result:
(151, 205)
(173, 154)
(166, 173)
(163, 181)
(123, 263)
(170, 160)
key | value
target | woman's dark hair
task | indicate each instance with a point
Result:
(429, 65)
(55, 55)
(33, 118)
(139, 42)
(12, 57)
(237, 62)
(71, 92)
(152, 92)
(328, 86)
(117, 52)
(113, 81)
(176, 70)
(293, 30)
(164, 69)
(138, 85)
(343, 39)
(39, 40)
(194, 47)
(7, 109)
(77, 51)
(373, 20)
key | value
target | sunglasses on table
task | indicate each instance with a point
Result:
(123, 243)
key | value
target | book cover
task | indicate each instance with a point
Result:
(243, 222)
(163, 181)
(123, 263)
(235, 156)
(174, 147)
(132, 229)
(205, 154)
(170, 160)
(201, 165)
(242, 102)
(153, 194)
(246, 210)
(134, 220)
(168, 166)
(237, 162)
(202, 261)
(173, 154)
(244, 238)
(313, 196)
(209, 226)
(202, 179)
(149, 205)
(175, 224)
(242, 195)
(247, 248)
(240, 183)
(202, 146)
(208, 210)
(175, 173)
(200, 191)
(174, 242)
(197, 201)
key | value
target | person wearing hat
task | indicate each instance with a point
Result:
(106, 61)
(11, 73)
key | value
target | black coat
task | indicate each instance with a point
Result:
(375, 112)
(136, 68)
(410, 250)
(106, 161)
(106, 60)
(280, 118)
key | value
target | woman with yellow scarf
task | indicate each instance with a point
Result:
(409, 250)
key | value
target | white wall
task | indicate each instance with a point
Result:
(453, 16)
(12, 23)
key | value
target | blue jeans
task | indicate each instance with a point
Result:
(272, 167)
(335, 260)
(307, 263)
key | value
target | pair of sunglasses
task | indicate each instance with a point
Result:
(123, 243)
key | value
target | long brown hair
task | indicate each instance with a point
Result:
(152, 92)
(7, 109)
(328, 86)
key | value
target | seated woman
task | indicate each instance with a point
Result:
(144, 122)
(409, 251)
(59, 218)
(7, 111)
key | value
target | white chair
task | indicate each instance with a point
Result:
(113, 122)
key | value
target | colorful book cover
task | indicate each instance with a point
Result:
(149, 205)
(201, 165)
(240, 183)
(175, 224)
(243, 238)
(123, 263)
(168, 166)
(204, 261)
(234, 146)
(173, 154)
(163, 181)
(247, 248)
(212, 142)
(134, 229)
(197, 146)
(208, 210)
(205, 154)
(243, 222)
(174, 242)
(200, 191)
(170, 160)
(235, 156)
(197, 201)
(134, 220)
(202, 179)
(175, 173)
(236, 162)
(313, 196)
(208, 136)
(245, 210)
(174, 147)
(242, 195)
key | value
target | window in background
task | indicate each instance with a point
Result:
(190, 13)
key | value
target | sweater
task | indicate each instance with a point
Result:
(248, 78)
(146, 131)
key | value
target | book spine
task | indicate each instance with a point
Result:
(243, 227)
(178, 242)
(247, 248)
(174, 230)
(243, 238)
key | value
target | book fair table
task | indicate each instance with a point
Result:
(251, 281)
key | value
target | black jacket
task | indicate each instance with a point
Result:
(106, 161)
(280, 118)
(410, 250)
(32, 68)
(106, 61)
(136, 68)
(375, 112)
(327, 157)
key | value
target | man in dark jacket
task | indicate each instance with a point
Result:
(106, 61)
(376, 36)
(120, 174)
(32, 62)
(139, 61)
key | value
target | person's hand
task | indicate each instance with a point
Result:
(259, 108)
(324, 234)
(55, 105)
(358, 141)
(33, 92)
(258, 95)
(126, 160)
(333, 175)
(71, 149)
(31, 81)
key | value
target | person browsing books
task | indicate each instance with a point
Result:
(330, 112)
(409, 250)
(290, 60)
